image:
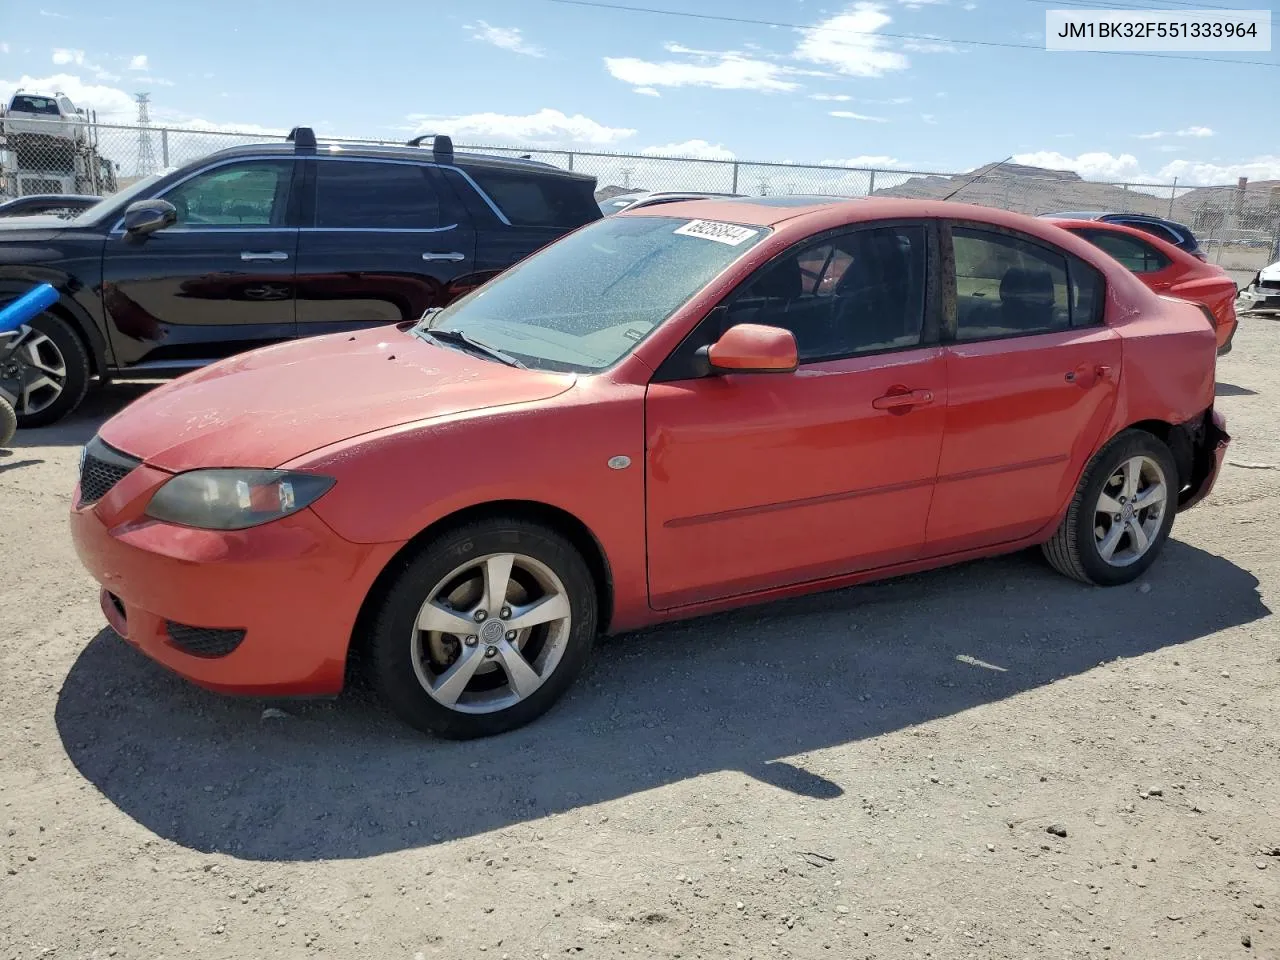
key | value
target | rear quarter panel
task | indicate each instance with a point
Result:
(1170, 358)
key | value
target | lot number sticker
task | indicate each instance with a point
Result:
(729, 233)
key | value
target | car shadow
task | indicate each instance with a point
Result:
(737, 692)
(1231, 390)
(99, 405)
(7, 462)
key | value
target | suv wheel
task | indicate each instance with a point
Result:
(44, 371)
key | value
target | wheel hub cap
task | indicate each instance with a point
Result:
(493, 631)
(1126, 513)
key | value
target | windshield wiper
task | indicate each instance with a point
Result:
(458, 338)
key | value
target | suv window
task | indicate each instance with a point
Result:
(254, 193)
(67, 108)
(23, 103)
(1136, 255)
(375, 195)
(1155, 229)
(1008, 287)
(538, 201)
(853, 293)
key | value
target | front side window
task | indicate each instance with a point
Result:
(362, 195)
(1008, 287)
(854, 293)
(254, 193)
(584, 302)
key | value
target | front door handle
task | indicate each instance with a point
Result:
(453, 257)
(273, 255)
(900, 397)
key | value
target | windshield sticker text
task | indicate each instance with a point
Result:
(728, 233)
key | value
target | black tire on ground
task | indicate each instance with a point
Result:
(8, 422)
(1073, 551)
(388, 653)
(75, 356)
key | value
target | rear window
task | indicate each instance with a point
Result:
(532, 201)
(23, 103)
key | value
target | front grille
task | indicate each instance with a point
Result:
(101, 468)
(203, 641)
(1269, 284)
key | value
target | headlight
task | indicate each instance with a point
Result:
(235, 499)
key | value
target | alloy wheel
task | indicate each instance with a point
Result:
(1130, 510)
(33, 372)
(491, 633)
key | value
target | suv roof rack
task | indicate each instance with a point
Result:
(441, 145)
(303, 139)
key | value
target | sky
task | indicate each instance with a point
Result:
(880, 83)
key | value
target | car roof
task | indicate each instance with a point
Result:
(397, 152)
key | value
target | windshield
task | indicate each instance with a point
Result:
(584, 302)
(120, 199)
(23, 103)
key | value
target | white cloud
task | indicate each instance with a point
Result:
(928, 118)
(113, 105)
(63, 56)
(55, 16)
(1213, 173)
(4, 47)
(505, 38)
(699, 149)
(646, 92)
(1091, 166)
(834, 97)
(850, 115)
(969, 6)
(932, 44)
(720, 70)
(139, 62)
(847, 43)
(1184, 132)
(547, 126)
(1171, 148)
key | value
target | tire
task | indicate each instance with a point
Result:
(8, 422)
(1075, 550)
(59, 339)
(401, 662)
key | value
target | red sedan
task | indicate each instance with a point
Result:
(668, 412)
(1167, 269)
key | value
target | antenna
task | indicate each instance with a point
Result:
(979, 176)
(146, 149)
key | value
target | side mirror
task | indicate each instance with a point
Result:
(145, 217)
(753, 348)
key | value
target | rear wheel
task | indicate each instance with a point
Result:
(1121, 514)
(484, 630)
(8, 422)
(44, 371)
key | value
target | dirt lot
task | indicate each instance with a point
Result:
(869, 773)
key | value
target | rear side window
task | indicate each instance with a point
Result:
(1010, 287)
(355, 195)
(1136, 255)
(539, 201)
(23, 103)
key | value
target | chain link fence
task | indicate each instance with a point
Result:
(1238, 225)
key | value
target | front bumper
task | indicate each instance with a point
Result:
(1259, 300)
(293, 588)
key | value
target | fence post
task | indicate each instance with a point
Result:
(570, 161)
(164, 148)
(871, 184)
(1173, 192)
(735, 177)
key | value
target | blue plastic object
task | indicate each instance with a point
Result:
(26, 307)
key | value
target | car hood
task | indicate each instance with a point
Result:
(272, 405)
(1270, 273)
(46, 222)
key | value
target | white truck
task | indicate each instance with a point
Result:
(47, 145)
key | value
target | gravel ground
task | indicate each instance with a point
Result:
(987, 761)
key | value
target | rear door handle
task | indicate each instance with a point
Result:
(897, 399)
(273, 255)
(453, 257)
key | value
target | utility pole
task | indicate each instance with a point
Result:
(146, 149)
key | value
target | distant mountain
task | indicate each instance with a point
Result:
(608, 193)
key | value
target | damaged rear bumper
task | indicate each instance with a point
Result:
(1208, 440)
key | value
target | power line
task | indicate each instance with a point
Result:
(719, 18)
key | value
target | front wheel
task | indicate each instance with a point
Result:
(484, 630)
(44, 371)
(1121, 514)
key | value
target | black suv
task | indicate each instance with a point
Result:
(258, 244)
